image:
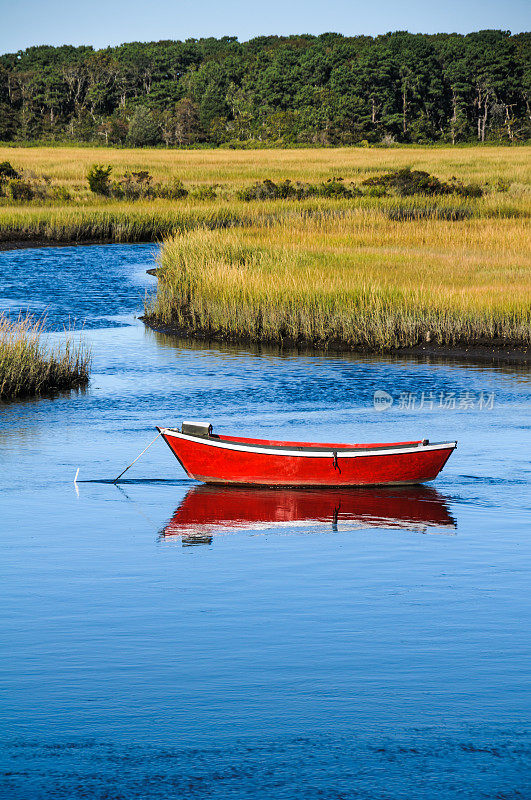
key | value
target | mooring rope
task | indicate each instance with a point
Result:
(136, 459)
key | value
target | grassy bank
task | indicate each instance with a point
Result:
(142, 221)
(359, 279)
(154, 220)
(29, 367)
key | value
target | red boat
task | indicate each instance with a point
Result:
(206, 510)
(215, 458)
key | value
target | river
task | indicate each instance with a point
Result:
(160, 640)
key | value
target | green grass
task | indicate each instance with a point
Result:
(29, 366)
(141, 221)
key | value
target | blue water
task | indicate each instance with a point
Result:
(368, 655)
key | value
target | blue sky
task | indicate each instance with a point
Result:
(109, 22)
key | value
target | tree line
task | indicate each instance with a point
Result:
(320, 90)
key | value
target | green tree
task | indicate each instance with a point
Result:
(98, 178)
(327, 88)
(212, 105)
(143, 129)
(9, 122)
(180, 124)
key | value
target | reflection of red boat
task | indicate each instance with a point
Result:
(210, 509)
(213, 458)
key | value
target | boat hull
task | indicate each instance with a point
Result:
(225, 460)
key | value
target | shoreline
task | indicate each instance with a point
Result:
(29, 244)
(480, 353)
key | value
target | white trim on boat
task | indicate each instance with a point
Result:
(280, 451)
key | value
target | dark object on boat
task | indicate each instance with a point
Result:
(196, 428)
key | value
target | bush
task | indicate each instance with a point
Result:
(376, 191)
(61, 193)
(7, 171)
(139, 185)
(21, 190)
(171, 191)
(204, 193)
(98, 178)
(267, 190)
(468, 190)
(115, 190)
(134, 185)
(406, 182)
(335, 187)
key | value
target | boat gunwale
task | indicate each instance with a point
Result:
(311, 450)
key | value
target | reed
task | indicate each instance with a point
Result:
(140, 221)
(356, 280)
(29, 366)
(143, 221)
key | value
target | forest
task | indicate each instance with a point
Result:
(284, 91)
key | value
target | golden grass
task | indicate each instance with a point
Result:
(30, 367)
(356, 280)
(69, 166)
(373, 272)
(90, 218)
(153, 220)
(105, 221)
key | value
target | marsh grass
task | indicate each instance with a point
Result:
(68, 166)
(29, 366)
(357, 280)
(153, 220)
(369, 271)
(84, 217)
